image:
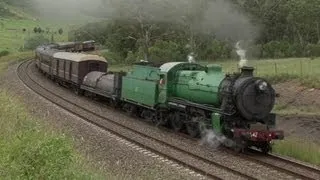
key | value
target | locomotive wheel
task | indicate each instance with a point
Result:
(193, 129)
(157, 119)
(239, 146)
(266, 148)
(175, 122)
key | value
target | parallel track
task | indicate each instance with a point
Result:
(295, 168)
(44, 92)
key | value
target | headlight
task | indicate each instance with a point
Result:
(262, 85)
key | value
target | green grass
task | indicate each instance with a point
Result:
(30, 150)
(296, 110)
(5, 61)
(298, 149)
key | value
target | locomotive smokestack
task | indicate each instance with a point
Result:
(247, 71)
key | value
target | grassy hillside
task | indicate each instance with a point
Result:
(18, 20)
(13, 37)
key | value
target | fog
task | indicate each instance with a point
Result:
(64, 10)
(206, 16)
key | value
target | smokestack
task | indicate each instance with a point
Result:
(247, 71)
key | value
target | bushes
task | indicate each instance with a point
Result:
(112, 57)
(165, 51)
(313, 50)
(33, 42)
(4, 53)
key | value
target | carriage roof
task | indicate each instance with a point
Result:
(78, 57)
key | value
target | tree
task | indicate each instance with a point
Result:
(60, 31)
(147, 13)
(39, 30)
(35, 29)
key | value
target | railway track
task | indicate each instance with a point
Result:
(296, 169)
(203, 166)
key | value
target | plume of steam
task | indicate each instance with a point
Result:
(214, 140)
(242, 54)
(191, 58)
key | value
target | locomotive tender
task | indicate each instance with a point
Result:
(184, 96)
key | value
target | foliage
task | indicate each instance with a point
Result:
(4, 53)
(35, 41)
(60, 31)
(287, 29)
(165, 51)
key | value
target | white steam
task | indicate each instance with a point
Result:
(191, 58)
(242, 54)
(214, 140)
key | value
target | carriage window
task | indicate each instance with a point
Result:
(94, 67)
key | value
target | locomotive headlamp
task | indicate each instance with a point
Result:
(262, 85)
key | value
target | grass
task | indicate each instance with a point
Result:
(294, 110)
(298, 149)
(30, 150)
(5, 61)
(12, 37)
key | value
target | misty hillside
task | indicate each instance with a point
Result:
(21, 9)
(46, 10)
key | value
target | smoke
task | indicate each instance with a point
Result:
(65, 10)
(219, 17)
(191, 58)
(242, 54)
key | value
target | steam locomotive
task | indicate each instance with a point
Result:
(186, 97)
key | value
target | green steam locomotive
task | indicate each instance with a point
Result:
(186, 97)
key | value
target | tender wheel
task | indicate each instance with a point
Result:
(77, 91)
(175, 122)
(130, 109)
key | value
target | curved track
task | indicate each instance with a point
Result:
(197, 163)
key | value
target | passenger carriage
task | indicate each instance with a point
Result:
(69, 69)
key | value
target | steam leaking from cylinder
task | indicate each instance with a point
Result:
(213, 140)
